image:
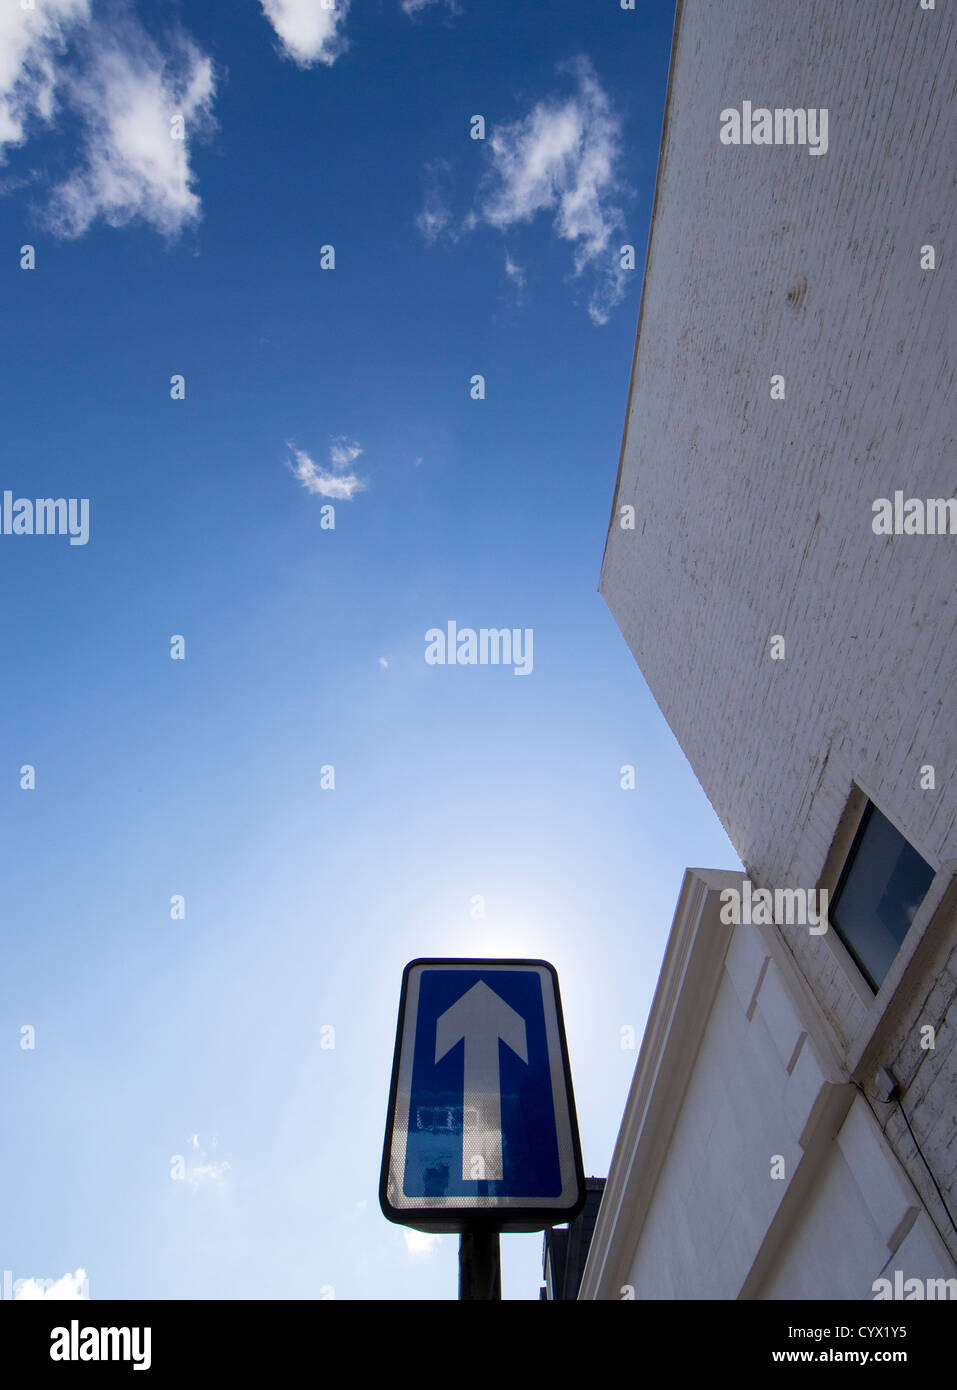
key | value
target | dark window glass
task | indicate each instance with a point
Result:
(883, 884)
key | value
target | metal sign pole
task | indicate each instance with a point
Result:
(480, 1270)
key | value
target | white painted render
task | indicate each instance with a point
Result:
(736, 1080)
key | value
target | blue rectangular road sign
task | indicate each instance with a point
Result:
(481, 1127)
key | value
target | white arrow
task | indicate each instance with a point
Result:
(481, 1017)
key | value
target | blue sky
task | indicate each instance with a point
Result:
(305, 387)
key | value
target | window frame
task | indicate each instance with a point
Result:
(864, 821)
(933, 923)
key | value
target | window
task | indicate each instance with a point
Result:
(881, 887)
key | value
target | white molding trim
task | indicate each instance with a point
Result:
(691, 973)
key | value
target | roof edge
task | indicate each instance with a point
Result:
(679, 10)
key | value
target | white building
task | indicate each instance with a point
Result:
(792, 1124)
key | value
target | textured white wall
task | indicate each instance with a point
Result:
(841, 1245)
(715, 1198)
(755, 1084)
(754, 515)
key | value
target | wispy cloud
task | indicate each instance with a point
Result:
(343, 451)
(31, 42)
(421, 1243)
(435, 219)
(515, 273)
(324, 482)
(200, 1173)
(562, 158)
(68, 1286)
(308, 32)
(414, 6)
(135, 165)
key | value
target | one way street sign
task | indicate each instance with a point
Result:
(481, 1130)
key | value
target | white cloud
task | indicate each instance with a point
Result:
(343, 451)
(68, 1286)
(563, 158)
(308, 31)
(413, 6)
(420, 1242)
(384, 662)
(435, 218)
(133, 166)
(316, 479)
(30, 43)
(514, 272)
(207, 1172)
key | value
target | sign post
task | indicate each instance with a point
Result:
(481, 1135)
(480, 1268)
